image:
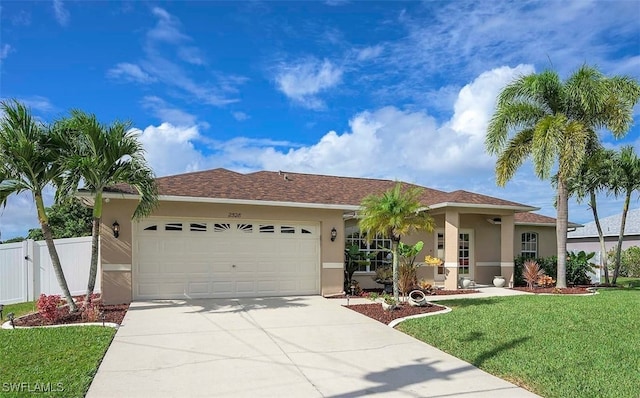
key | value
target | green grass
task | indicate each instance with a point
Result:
(628, 282)
(19, 309)
(555, 346)
(44, 357)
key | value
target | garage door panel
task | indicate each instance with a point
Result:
(199, 288)
(197, 258)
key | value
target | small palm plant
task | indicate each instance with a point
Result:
(532, 272)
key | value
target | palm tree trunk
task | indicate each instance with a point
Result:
(93, 270)
(394, 250)
(561, 232)
(623, 221)
(53, 253)
(95, 240)
(603, 248)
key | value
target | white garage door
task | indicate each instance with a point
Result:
(221, 258)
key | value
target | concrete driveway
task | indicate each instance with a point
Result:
(277, 347)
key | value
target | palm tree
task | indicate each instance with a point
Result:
(27, 163)
(595, 176)
(626, 180)
(394, 214)
(554, 122)
(101, 156)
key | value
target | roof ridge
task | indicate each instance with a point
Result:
(201, 172)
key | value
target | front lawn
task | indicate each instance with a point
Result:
(555, 346)
(51, 362)
(18, 309)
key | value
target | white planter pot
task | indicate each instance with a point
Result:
(417, 299)
(466, 282)
(498, 281)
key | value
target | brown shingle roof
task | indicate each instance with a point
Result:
(298, 188)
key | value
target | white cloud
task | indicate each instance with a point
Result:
(158, 64)
(167, 28)
(130, 72)
(60, 12)
(38, 103)
(5, 49)
(369, 53)
(168, 113)
(302, 81)
(240, 116)
(171, 150)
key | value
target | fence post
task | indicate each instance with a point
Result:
(30, 275)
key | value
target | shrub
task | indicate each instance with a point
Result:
(91, 312)
(531, 273)
(629, 261)
(48, 307)
(548, 264)
(424, 285)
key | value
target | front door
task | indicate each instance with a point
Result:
(465, 260)
(465, 254)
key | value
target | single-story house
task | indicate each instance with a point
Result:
(219, 233)
(586, 237)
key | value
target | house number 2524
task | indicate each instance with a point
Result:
(235, 215)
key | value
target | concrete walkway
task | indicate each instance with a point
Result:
(484, 292)
(277, 347)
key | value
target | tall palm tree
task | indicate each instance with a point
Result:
(394, 214)
(554, 123)
(595, 176)
(27, 163)
(102, 155)
(626, 181)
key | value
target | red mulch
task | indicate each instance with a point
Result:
(112, 314)
(553, 290)
(440, 292)
(376, 312)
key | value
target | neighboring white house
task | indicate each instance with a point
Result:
(586, 237)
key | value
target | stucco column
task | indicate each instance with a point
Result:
(451, 222)
(506, 248)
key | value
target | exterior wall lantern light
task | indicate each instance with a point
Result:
(334, 234)
(116, 229)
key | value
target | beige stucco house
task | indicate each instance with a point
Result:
(219, 233)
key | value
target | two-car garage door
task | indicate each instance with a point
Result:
(176, 258)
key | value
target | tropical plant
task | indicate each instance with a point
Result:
(554, 123)
(102, 155)
(595, 175)
(394, 214)
(579, 267)
(28, 164)
(626, 180)
(407, 271)
(532, 273)
(68, 219)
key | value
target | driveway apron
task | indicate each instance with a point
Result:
(277, 347)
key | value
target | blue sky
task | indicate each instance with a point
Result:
(399, 90)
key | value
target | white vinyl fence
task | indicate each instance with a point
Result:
(26, 271)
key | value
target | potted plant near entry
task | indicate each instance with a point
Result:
(499, 281)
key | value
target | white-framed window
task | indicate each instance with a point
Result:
(378, 247)
(529, 245)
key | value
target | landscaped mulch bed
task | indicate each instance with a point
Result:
(376, 312)
(112, 313)
(441, 292)
(553, 290)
